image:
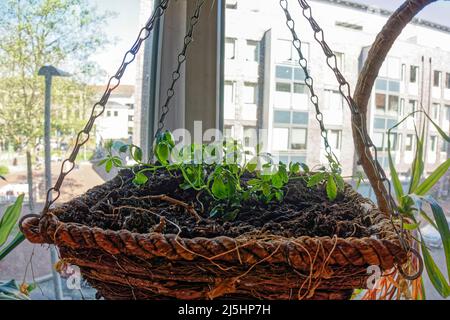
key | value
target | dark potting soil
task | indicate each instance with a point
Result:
(119, 204)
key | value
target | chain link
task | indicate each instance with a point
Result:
(97, 110)
(188, 38)
(344, 89)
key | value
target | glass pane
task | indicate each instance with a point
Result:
(378, 139)
(300, 117)
(282, 116)
(252, 52)
(230, 48)
(393, 103)
(283, 72)
(299, 88)
(381, 85)
(394, 86)
(380, 101)
(283, 87)
(299, 74)
(298, 139)
(379, 123)
(229, 92)
(280, 138)
(283, 51)
(250, 93)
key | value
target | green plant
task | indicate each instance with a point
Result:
(411, 204)
(222, 171)
(8, 230)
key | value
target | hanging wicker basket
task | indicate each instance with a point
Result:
(126, 265)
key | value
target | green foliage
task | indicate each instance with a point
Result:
(8, 226)
(410, 204)
(218, 170)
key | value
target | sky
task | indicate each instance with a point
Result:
(125, 27)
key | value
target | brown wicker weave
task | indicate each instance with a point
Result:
(126, 265)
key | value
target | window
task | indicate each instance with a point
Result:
(230, 48)
(409, 142)
(282, 116)
(436, 78)
(231, 4)
(283, 87)
(250, 93)
(378, 140)
(108, 113)
(283, 72)
(300, 118)
(280, 138)
(444, 145)
(130, 118)
(334, 138)
(116, 113)
(411, 106)
(447, 80)
(413, 74)
(228, 131)
(435, 111)
(252, 51)
(284, 50)
(229, 92)
(250, 137)
(403, 72)
(339, 60)
(393, 104)
(299, 88)
(433, 142)
(333, 100)
(380, 101)
(298, 139)
(447, 113)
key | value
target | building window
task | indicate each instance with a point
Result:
(229, 92)
(130, 131)
(230, 48)
(378, 140)
(444, 145)
(282, 116)
(280, 138)
(130, 118)
(339, 60)
(403, 72)
(228, 131)
(250, 137)
(436, 78)
(447, 80)
(108, 113)
(393, 104)
(413, 74)
(334, 138)
(409, 142)
(231, 4)
(283, 87)
(447, 113)
(250, 93)
(252, 51)
(300, 118)
(435, 111)
(433, 141)
(298, 138)
(299, 88)
(411, 106)
(116, 113)
(380, 101)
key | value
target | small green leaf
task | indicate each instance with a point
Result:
(251, 166)
(137, 154)
(331, 188)
(294, 168)
(108, 165)
(253, 182)
(339, 182)
(163, 152)
(9, 219)
(140, 179)
(277, 181)
(219, 188)
(316, 178)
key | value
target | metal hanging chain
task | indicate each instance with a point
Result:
(181, 60)
(297, 43)
(344, 89)
(97, 110)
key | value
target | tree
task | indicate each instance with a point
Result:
(34, 33)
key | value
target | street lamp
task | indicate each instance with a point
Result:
(49, 72)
